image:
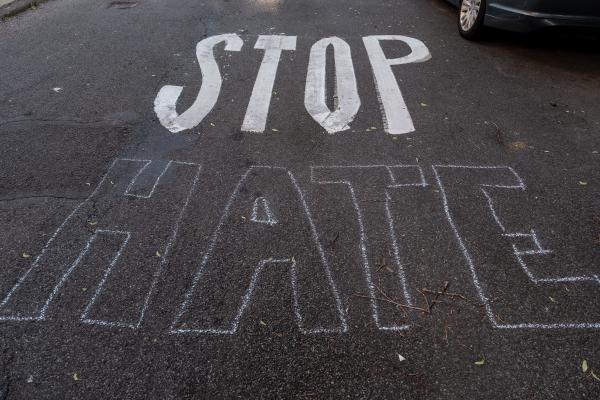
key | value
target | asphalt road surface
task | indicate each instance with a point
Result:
(196, 201)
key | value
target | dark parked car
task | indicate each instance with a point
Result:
(524, 15)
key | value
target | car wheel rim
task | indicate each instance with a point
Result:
(469, 10)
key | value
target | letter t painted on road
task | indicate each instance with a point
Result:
(258, 107)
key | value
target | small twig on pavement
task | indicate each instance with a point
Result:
(438, 294)
(446, 334)
(390, 301)
(332, 243)
(383, 264)
(452, 294)
(396, 302)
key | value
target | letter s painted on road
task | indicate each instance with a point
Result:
(166, 99)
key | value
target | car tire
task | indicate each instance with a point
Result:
(470, 18)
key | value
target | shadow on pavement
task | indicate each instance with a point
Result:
(570, 40)
(565, 48)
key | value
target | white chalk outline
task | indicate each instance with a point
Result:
(492, 209)
(45, 248)
(156, 181)
(248, 295)
(363, 237)
(65, 276)
(540, 250)
(84, 315)
(270, 220)
(396, 248)
(41, 314)
(188, 295)
(164, 258)
(518, 254)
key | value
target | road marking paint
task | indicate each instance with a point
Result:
(255, 119)
(347, 101)
(166, 99)
(396, 118)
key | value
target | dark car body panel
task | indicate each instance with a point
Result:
(528, 15)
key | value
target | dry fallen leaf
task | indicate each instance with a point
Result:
(517, 145)
(157, 253)
(480, 362)
(584, 366)
(25, 254)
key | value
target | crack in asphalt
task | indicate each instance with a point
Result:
(41, 197)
